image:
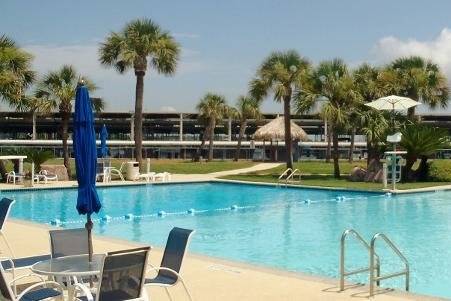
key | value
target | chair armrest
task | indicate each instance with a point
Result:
(85, 290)
(44, 284)
(41, 279)
(157, 269)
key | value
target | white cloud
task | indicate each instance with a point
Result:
(437, 49)
(167, 109)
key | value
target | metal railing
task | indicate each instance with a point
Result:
(343, 272)
(285, 173)
(377, 278)
(291, 176)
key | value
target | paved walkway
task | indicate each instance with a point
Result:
(258, 167)
(209, 278)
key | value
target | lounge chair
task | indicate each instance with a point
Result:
(168, 274)
(163, 176)
(12, 177)
(122, 277)
(5, 208)
(45, 176)
(112, 171)
(150, 176)
(38, 291)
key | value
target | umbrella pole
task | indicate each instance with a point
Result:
(88, 227)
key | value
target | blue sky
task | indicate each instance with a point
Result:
(223, 42)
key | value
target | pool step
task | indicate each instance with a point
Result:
(374, 267)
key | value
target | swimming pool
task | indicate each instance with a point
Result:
(270, 226)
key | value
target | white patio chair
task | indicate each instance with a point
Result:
(163, 176)
(45, 176)
(168, 274)
(122, 277)
(43, 290)
(12, 176)
(113, 171)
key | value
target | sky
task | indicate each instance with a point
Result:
(223, 42)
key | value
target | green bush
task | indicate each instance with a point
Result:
(440, 170)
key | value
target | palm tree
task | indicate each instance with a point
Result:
(332, 82)
(421, 80)
(34, 106)
(15, 71)
(421, 141)
(283, 74)
(246, 108)
(140, 43)
(59, 87)
(15, 77)
(213, 108)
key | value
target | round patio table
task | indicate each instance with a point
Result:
(70, 266)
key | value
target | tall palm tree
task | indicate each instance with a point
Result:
(421, 80)
(246, 108)
(213, 108)
(59, 87)
(140, 43)
(371, 83)
(34, 106)
(333, 83)
(15, 77)
(282, 74)
(15, 71)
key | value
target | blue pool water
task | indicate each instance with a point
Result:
(270, 226)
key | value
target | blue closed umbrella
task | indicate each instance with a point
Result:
(103, 138)
(85, 159)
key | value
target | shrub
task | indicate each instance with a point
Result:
(440, 170)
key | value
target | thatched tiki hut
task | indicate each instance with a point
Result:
(274, 131)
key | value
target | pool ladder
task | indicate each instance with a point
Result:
(374, 267)
(289, 176)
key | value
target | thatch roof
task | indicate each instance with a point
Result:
(275, 130)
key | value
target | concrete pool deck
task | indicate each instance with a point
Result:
(210, 278)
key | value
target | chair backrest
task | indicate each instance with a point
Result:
(175, 251)
(67, 242)
(5, 290)
(5, 207)
(121, 169)
(123, 275)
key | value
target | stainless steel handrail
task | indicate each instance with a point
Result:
(343, 273)
(283, 174)
(377, 278)
(293, 174)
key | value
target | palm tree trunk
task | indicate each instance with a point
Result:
(139, 115)
(335, 153)
(210, 144)
(3, 171)
(411, 113)
(65, 135)
(329, 142)
(287, 119)
(240, 137)
(352, 146)
(33, 118)
(422, 171)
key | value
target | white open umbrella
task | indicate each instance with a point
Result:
(393, 102)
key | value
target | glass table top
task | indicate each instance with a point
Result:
(78, 265)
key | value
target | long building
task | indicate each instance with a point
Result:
(175, 135)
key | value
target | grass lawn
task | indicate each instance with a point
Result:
(320, 173)
(172, 166)
(330, 181)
